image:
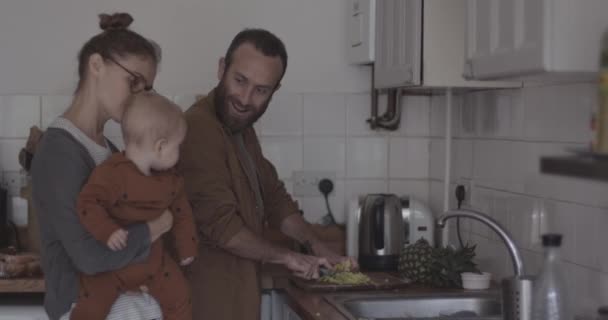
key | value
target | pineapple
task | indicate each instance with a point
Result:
(415, 261)
(438, 267)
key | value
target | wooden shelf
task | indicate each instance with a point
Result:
(576, 166)
(21, 285)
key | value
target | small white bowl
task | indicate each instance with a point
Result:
(474, 281)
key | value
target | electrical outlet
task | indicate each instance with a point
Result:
(468, 184)
(306, 183)
(12, 181)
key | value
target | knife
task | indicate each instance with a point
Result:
(324, 271)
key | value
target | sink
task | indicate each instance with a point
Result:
(460, 306)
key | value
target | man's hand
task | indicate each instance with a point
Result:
(118, 239)
(304, 266)
(160, 225)
(297, 228)
(321, 250)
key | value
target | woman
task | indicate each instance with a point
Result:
(113, 66)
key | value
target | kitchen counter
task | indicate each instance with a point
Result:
(314, 306)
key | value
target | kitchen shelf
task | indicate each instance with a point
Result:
(576, 166)
(18, 285)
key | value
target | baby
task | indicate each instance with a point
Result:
(136, 186)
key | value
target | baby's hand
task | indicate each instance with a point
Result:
(118, 240)
(186, 261)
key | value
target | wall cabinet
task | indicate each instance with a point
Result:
(523, 38)
(420, 43)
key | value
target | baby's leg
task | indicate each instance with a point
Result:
(171, 290)
(97, 294)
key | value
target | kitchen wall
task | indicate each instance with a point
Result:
(316, 121)
(300, 131)
(500, 136)
(40, 41)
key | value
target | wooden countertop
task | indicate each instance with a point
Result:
(19, 285)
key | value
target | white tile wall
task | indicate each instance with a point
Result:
(283, 116)
(324, 114)
(438, 113)
(550, 110)
(501, 136)
(284, 152)
(355, 188)
(358, 110)
(300, 131)
(499, 164)
(437, 159)
(325, 154)
(18, 114)
(436, 196)
(367, 157)
(314, 207)
(53, 107)
(184, 101)
(419, 189)
(415, 116)
(9, 152)
(524, 216)
(409, 158)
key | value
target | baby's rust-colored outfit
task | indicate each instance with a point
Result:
(117, 194)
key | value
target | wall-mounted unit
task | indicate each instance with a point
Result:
(361, 24)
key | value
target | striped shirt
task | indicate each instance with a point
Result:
(126, 307)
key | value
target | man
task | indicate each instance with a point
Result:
(235, 191)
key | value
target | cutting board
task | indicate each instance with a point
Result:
(380, 281)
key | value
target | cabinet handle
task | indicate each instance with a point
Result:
(468, 70)
(409, 74)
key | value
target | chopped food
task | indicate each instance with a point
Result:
(342, 274)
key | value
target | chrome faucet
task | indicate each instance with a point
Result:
(494, 225)
(517, 291)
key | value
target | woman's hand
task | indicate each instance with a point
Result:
(160, 225)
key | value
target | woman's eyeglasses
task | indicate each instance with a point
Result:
(137, 83)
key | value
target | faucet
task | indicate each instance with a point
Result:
(516, 291)
(494, 225)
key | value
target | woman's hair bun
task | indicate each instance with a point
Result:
(116, 21)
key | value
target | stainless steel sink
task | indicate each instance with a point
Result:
(409, 306)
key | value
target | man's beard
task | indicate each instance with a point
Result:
(222, 108)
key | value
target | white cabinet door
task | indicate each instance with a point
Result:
(280, 310)
(540, 39)
(421, 44)
(278, 305)
(504, 38)
(398, 43)
(266, 307)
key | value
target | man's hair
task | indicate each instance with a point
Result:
(263, 40)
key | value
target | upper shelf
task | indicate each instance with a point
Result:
(576, 166)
